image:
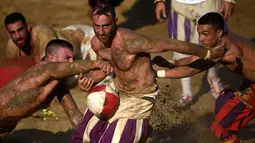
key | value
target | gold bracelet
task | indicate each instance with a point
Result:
(156, 1)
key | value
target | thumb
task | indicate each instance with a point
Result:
(222, 8)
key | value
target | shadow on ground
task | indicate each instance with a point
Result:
(38, 136)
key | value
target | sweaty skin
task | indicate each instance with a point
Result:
(40, 35)
(239, 58)
(31, 90)
(129, 54)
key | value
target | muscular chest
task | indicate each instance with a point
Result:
(122, 59)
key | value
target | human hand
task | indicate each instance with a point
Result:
(216, 52)
(227, 9)
(85, 83)
(104, 66)
(160, 9)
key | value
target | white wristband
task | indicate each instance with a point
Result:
(156, 1)
(161, 73)
(208, 55)
(230, 1)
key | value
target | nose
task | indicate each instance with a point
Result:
(17, 35)
(101, 32)
(201, 39)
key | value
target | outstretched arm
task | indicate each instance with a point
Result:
(186, 71)
(162, 62)
(137, 43)
(58, 70)
(66, 100)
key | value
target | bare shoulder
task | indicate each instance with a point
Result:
(95, 43)
(233, 50)
(129, 34)
(42, 30)
(132, 39)
(11, 45)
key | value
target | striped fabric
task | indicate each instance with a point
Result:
(231, 114)
(94, 130)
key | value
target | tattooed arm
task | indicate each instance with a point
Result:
(137, 43)
(67, 102)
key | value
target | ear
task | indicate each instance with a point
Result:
(220, 33)
(29, 27)
(8, 34)
(116, 19)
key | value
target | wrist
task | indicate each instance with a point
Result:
(157, 1)
(230, 1)
(208, 55)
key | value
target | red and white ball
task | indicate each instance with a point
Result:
(103, 101)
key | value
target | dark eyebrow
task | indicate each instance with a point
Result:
(106, 24)
(96, 24)
(21, 28)
(204, 31)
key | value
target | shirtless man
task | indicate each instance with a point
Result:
(26, 40)
(233, 108)
(35, 88)
(129, 53)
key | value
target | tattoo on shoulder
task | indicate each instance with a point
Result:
(136, 43)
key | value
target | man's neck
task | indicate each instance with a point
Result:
(221, 41)
(27, 49)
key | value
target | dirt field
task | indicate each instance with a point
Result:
(170, 124)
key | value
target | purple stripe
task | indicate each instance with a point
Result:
(108, 135)
(77, 135)
(145, 130)
(187, 30)
(222, 100)
(98, 131)
(128, 134)
(175, 22)
(225, 27)
(170, 24)
(231, 116)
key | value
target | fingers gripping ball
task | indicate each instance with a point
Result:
(103, 101)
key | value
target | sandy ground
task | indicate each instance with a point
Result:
(169, 123)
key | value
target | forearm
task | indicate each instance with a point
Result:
(177, 46)
(61, 70)
(97, 75)
(177, 72)
(185, 61)
(71, 109)
(182, 62)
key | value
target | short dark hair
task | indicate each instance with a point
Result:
(214, 19)
(55, 44)
(14, 17)
(104, 9)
